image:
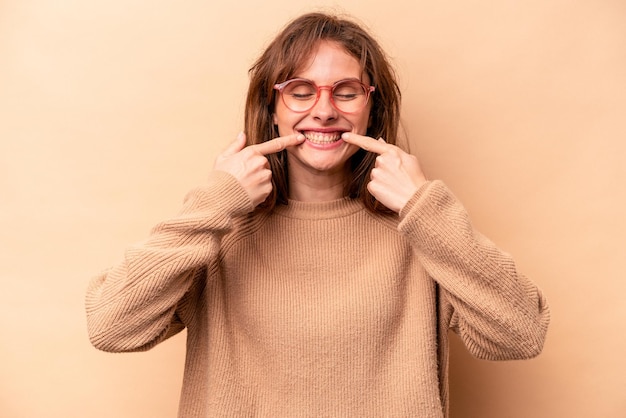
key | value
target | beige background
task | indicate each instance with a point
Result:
(111, 110)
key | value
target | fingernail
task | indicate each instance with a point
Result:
(345, 135)
(240, 135)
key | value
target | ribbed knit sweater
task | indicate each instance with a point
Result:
(317, 309)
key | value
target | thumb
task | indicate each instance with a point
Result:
(237, 145)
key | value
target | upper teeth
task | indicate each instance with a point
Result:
(322, 137)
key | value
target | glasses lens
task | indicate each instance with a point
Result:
(350, 96)
(299, 95)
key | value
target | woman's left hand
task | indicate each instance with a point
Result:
(396, 176)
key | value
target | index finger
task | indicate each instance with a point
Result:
(278, 144)
(365, 142)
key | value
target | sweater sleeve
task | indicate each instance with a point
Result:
(498, 313)
(132, 307)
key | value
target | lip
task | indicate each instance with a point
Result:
(323, 130)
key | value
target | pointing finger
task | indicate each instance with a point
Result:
(367, 143)
(278, 144)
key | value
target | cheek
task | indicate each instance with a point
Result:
(286, 124)
(361, 124)
(283, 120)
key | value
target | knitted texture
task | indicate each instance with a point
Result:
(317, 309)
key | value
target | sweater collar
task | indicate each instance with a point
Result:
(319, 210)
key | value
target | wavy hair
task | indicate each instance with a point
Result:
(284, 56)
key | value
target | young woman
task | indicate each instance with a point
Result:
(318, 271)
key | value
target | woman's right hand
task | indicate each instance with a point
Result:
(250, 166)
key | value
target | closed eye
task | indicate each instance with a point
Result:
(303, 96)
(345, 97)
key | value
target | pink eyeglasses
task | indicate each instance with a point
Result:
(347, 96)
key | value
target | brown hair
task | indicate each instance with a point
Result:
(279, 62)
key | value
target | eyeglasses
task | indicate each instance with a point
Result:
(347, 96)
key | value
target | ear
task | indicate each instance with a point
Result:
(274, 119)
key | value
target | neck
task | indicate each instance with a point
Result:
(317, 187)
(305, 192)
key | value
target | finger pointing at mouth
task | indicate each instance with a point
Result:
(278, 144)
(367, 143)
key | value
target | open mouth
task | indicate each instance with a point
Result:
(322, 137)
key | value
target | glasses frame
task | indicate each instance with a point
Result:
(367, 89)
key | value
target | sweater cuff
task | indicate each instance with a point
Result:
(420, 194)
(222, 193)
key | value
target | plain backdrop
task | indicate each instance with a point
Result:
(110, 111)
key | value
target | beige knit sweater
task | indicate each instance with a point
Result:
(317, 309)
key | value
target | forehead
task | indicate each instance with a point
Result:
(330, 62)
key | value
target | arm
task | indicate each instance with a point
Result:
(132, 306)
(498, 313)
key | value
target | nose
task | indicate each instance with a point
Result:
(324, 110)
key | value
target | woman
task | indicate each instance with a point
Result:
(318, 272)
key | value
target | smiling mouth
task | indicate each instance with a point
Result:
(322, 137)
